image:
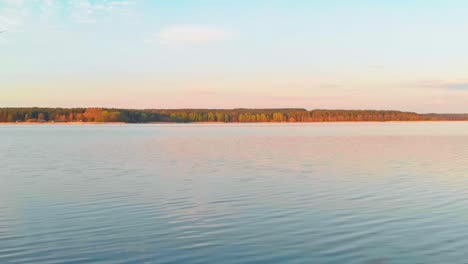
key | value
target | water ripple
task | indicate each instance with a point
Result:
(234, 194)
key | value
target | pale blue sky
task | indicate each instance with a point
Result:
(387, 54)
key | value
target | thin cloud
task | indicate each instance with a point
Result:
(458, 87)
(189, 35)
(88, 12)
(18, 15)
(12, 15)
(444, 85)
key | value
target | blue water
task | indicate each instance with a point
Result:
(295, 193)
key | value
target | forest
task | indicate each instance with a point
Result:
(241, 115)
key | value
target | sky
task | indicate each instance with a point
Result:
(409, 55)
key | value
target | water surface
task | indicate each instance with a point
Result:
(295, 193)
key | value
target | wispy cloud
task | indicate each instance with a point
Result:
(48, 9)
(87, 12)
(445, 85)
(12, 15)
(19, 15)
(189, 35)
(458, 86)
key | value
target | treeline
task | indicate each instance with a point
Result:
(446, 117)
(12, 115)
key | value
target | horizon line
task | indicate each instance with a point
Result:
(234, 108)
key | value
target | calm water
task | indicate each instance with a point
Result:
(370, 193)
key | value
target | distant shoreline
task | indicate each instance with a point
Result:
(35, 115)
(219, 123)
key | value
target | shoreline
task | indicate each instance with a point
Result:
(221, 123)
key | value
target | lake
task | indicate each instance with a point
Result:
(370, 193)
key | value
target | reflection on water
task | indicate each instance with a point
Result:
(305, 193)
